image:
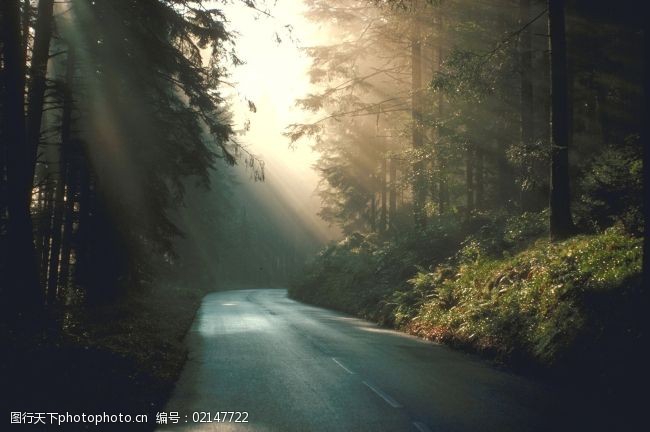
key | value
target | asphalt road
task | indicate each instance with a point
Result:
(294, 367)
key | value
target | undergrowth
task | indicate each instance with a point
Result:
(495, 285)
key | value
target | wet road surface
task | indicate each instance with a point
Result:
(294, 367)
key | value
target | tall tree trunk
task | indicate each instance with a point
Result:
(37, 84)
(40, 211)
(373, 213)
(526, 93)
(66, 127)
(443, 189)
(544, 101)
(419, 178)
(443, 201)
(81, 187)
(4, 217)
(505, 176)
(469, 179)
(645, 145)
(434, 67)
(68, 226)
(392, 204)
(27, 13)
(479, 179)
(3, 197)
(44, 234)
(382, 214)
(561, 223)
(22, 281)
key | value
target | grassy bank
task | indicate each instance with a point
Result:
(502, 290)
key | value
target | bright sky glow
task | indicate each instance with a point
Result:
(274, 76)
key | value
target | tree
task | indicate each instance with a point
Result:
(526, 97)
(117, 131)
(63, 180)
(561, 222)
(354, 84)
(22, 275)
(419, 176)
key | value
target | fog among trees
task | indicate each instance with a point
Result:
(477, 168)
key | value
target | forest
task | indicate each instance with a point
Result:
(119, 204)
(451, 131)
(482, 164)
(485, 162)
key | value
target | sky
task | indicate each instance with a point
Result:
(274, 75)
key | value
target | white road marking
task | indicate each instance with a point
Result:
(343, 366)
(421, 426)
(389, 400)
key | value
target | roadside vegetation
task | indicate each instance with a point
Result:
(505, 290)
(484, 162)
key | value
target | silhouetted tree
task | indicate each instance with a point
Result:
(561, 222)
(21, 268)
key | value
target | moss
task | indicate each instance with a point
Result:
(536, 303)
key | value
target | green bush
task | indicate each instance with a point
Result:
(611, 190)
(360, 274)
(540, 303)
(504, 289)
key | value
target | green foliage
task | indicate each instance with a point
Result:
(360, 274)
(496, 235)
(346, 269)
(149, 120)
(539, 303)
(528, 225)
(611, 189)
(505, 289)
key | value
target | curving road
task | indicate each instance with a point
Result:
(295, 367)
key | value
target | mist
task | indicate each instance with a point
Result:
(244, 230)
(303, 215)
